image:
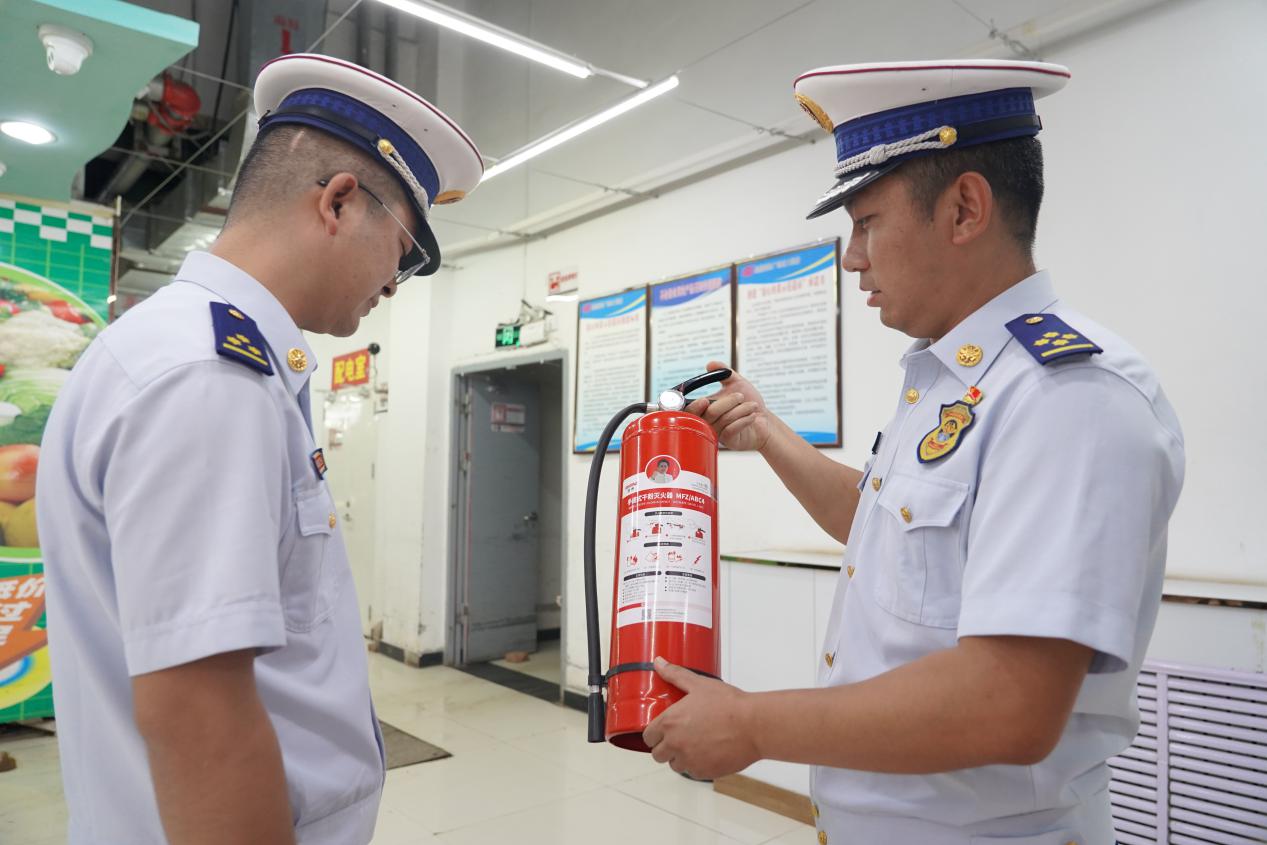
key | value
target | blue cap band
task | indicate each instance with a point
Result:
(352, 120)
(888, 127)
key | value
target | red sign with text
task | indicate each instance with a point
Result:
(351, 369)
(21, 607)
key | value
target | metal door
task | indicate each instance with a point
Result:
(500, 541)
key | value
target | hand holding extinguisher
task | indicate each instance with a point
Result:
(661, 607)
(737, 413)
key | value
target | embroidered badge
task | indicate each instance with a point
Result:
(319, 464)
(1049, 338)
(956, 419)
(238, 338)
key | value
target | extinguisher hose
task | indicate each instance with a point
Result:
(597, 681)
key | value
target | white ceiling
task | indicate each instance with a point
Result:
(736, 60)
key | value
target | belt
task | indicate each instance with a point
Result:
(1090, 823)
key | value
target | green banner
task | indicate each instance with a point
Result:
(55, 265)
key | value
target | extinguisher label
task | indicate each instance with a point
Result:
(666, 553)
(658, 479)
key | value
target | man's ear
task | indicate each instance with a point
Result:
(332, 199)
(971, 203)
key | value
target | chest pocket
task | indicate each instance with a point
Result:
(915, 548)
(310, 576)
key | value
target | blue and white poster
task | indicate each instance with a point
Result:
(787, 336)
(611, 366)
(690, 326)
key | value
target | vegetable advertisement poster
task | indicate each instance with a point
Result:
(55, 265)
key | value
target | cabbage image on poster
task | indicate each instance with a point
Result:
(54, 279)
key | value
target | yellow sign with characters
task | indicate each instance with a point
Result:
(351, 369)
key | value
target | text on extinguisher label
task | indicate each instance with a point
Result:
(666, 556)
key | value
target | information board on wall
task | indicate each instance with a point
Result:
(611, 356)
(787, 336)
(691, 324)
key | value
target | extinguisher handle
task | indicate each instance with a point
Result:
(693, 384)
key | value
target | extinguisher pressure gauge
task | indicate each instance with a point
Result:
(672, 400)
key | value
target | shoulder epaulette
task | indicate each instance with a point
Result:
(1049, 338)
(238, 338)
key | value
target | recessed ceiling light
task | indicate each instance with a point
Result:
(31, 133)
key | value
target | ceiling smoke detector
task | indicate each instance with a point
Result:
(65, 48)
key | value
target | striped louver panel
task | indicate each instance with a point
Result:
(1137, 787)
(1197, 772)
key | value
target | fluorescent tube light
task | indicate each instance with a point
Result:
(481, 30)
(562, 136)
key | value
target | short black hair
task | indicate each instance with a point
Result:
(1014, 169)
(285, 161)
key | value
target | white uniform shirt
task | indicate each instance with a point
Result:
(182, 517)
(1047, 520)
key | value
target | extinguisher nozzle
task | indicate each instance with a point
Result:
(597, 718)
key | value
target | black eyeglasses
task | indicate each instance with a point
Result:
(401, 274)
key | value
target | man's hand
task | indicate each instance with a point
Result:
(739, 416)
(737, 413)
(704, 734)
(987, 701)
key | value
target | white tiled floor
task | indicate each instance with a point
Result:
(521, 772)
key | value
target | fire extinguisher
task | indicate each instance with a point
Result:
(665, 601)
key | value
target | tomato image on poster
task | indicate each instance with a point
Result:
(54, 279)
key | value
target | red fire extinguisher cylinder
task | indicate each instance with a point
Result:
(666, 595)
(666, 601)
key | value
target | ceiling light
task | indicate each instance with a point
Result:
(488, 33)
(32, 133)
(566, 134)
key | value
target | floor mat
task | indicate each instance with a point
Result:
(407, 750)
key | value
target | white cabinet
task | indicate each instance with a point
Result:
(773, 621)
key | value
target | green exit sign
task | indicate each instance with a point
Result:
(506, 337)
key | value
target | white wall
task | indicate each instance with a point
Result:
(408, 598)
(1154, 174)
(1154, 222)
